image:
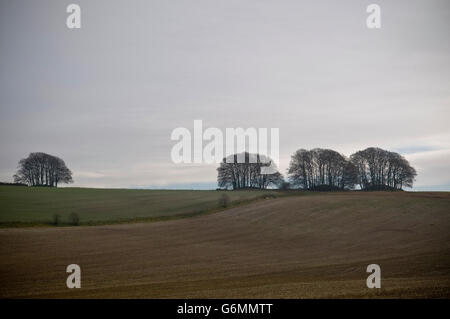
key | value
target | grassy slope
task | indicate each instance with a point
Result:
(31, 206)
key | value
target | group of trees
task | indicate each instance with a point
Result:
(381, 169)
(41, 169)
(245, 172)
(316, 169)
(321, 169)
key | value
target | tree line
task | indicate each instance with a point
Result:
(321, 169)
(316, 169)
(41, 169)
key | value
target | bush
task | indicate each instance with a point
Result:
(12, 184)
(381, 188)
(285, 186)
(74, 219)
(56, 219)
(269, 196)
(224, 200)
(325, 188)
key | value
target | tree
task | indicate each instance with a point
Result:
(243, 170)
(41, 169)
(322, 169)
(378, 169)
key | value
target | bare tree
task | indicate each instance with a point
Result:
(322, 169)
(379, 169)
(41, 169)
(243, 170)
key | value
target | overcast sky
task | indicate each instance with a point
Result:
(106, 97)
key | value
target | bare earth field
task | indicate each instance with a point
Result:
(307, 246)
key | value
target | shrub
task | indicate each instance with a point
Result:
(56, 219)
(285, 186)
(381, 188)
(269, 196)
(224, 200)
(74, 219)
(12, 184)
(325, 188)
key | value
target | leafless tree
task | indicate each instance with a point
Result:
(246, 173)
(321, 169)
(41, 169)
(381, 169)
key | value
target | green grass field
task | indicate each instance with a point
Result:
(28, 206)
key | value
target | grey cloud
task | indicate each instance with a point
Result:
(106, 97)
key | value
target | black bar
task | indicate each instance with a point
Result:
(226, 308)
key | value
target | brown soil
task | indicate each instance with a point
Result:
(311, 246)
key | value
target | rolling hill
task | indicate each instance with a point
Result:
(31, 206)
(311, 246)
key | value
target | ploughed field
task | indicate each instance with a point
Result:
(306, 246)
